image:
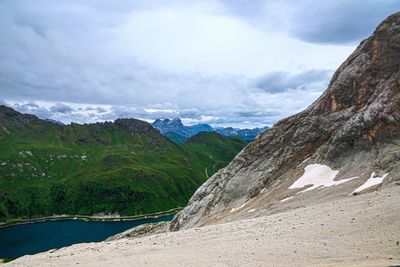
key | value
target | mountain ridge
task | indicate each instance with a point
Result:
(125, 166)
(354, 128)
(178, 132)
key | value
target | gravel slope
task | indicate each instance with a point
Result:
(361, 230)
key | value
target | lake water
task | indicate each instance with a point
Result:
(19, 240)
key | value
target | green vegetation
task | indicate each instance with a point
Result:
(216, 147)
(5, 260)
(176, 138)
(125, 167)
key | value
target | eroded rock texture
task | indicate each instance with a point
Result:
(353, 127)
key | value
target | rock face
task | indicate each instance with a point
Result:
(143, 230)
(7, 113)
(354, 128)
(175, 125)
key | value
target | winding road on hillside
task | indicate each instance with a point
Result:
(213, 166)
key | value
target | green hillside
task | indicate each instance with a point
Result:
(220, 149)
(176, 138)
(124, 166)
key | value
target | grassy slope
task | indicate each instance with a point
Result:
(125, 167)
(176, 138)
(220, 149)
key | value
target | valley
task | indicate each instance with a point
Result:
(124, 167)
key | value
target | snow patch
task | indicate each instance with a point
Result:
(252, 210)
(372, 180)
(262, 191)
(318, 176)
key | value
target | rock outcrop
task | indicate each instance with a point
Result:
(143, 230)
(354, 128)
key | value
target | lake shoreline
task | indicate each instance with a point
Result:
(342, 233)
(105, 218)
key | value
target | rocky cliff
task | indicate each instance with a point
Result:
(350, 135)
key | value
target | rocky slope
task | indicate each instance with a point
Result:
(366, 231)
(351, 131)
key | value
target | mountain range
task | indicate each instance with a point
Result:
(176, 131)
(125, 166)
(320, 188)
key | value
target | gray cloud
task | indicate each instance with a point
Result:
(79, 62)
(32, 108)
(329, 22)
(61, 108)
(265, 112)
(277, 82)
(340, 21)
(97, 109)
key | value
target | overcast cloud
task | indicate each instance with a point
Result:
(227, 63)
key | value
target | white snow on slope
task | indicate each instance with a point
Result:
(318, 176)
(373, 180)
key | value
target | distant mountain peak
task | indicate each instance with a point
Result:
(176, 121)
(176, 130)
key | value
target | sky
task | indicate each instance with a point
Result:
(233, 63)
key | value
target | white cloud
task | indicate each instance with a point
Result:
(186, 39)
(203, 61)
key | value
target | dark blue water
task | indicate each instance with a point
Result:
(19, 240)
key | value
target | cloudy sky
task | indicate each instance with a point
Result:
(228, 63)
